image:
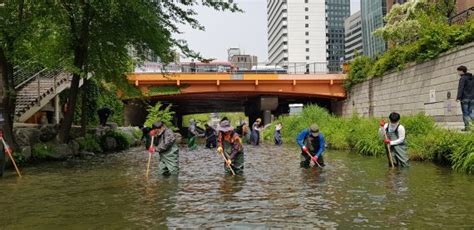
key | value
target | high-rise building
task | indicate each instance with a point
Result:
(353, 43)
(297, 34)
(336, 12)
(372, 13)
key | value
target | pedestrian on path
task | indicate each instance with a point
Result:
(466, 96)
(395, 138)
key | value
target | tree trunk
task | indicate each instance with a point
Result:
(84, 110)
(64, 134)
(9, 98)
(81, 48)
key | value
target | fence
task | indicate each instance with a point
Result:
(227, 67)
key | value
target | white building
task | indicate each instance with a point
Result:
(297, 34)
(354, 44)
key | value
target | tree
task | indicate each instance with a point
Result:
(15, 24)
(405, 21)
(101, 33)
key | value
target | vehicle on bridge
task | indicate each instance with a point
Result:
(202, 67)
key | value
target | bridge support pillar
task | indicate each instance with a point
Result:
(267, 117)
(134, 113)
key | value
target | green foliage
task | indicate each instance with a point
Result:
(360, 68)
(90, 143)
(19, 158)
(137, 133)
(416, 31)
(42, 151)
(425, 140)
(463, 155)
(163, 90)
(157, 113)
(121, 139)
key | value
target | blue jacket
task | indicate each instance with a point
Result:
(305, 134)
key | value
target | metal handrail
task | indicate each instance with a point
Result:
(236, 67)
(29, 79)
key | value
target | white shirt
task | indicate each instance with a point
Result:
(391, 128)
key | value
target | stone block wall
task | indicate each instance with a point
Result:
(429, 87)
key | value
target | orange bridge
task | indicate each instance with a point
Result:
(313, 85)
(256, 94)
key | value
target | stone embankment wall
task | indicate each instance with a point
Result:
(429, 87)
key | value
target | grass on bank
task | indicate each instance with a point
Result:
(425, 140)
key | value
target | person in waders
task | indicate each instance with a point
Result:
(211, 137)
(277, 134)
(395, 138)
(311, 141)
(146, 138)
(230, 144)
(256, 127)
(192, 134)
(166, 147)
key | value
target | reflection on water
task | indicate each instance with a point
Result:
(351, 191)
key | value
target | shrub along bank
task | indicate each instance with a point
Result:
(426, 141)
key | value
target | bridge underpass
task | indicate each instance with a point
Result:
(258, 95)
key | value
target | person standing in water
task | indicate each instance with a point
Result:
(230, 144)
(256, 128)
(166, 147)
(395, 138)
(277, 134)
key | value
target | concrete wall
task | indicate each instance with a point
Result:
(429, 87)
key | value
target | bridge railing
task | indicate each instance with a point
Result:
(237, 67)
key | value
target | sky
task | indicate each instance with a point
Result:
(247, 31)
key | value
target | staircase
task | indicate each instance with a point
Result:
(36, 87)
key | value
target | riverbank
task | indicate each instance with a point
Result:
(426, 141)
(39, 143)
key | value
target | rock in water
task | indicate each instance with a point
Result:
(47, 133)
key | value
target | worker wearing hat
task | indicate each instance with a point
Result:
(311, 141)
(166, 147)
(230, 145)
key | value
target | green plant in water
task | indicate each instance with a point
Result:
(121, 140)
(90, 143)
(463, 155)
(42, 151)
(157, 113)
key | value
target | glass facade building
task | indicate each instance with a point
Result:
(373, 12)
(336, 13)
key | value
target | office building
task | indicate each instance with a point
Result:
(336, 12)
(297, 34)
(353, 41)
(372, 13)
